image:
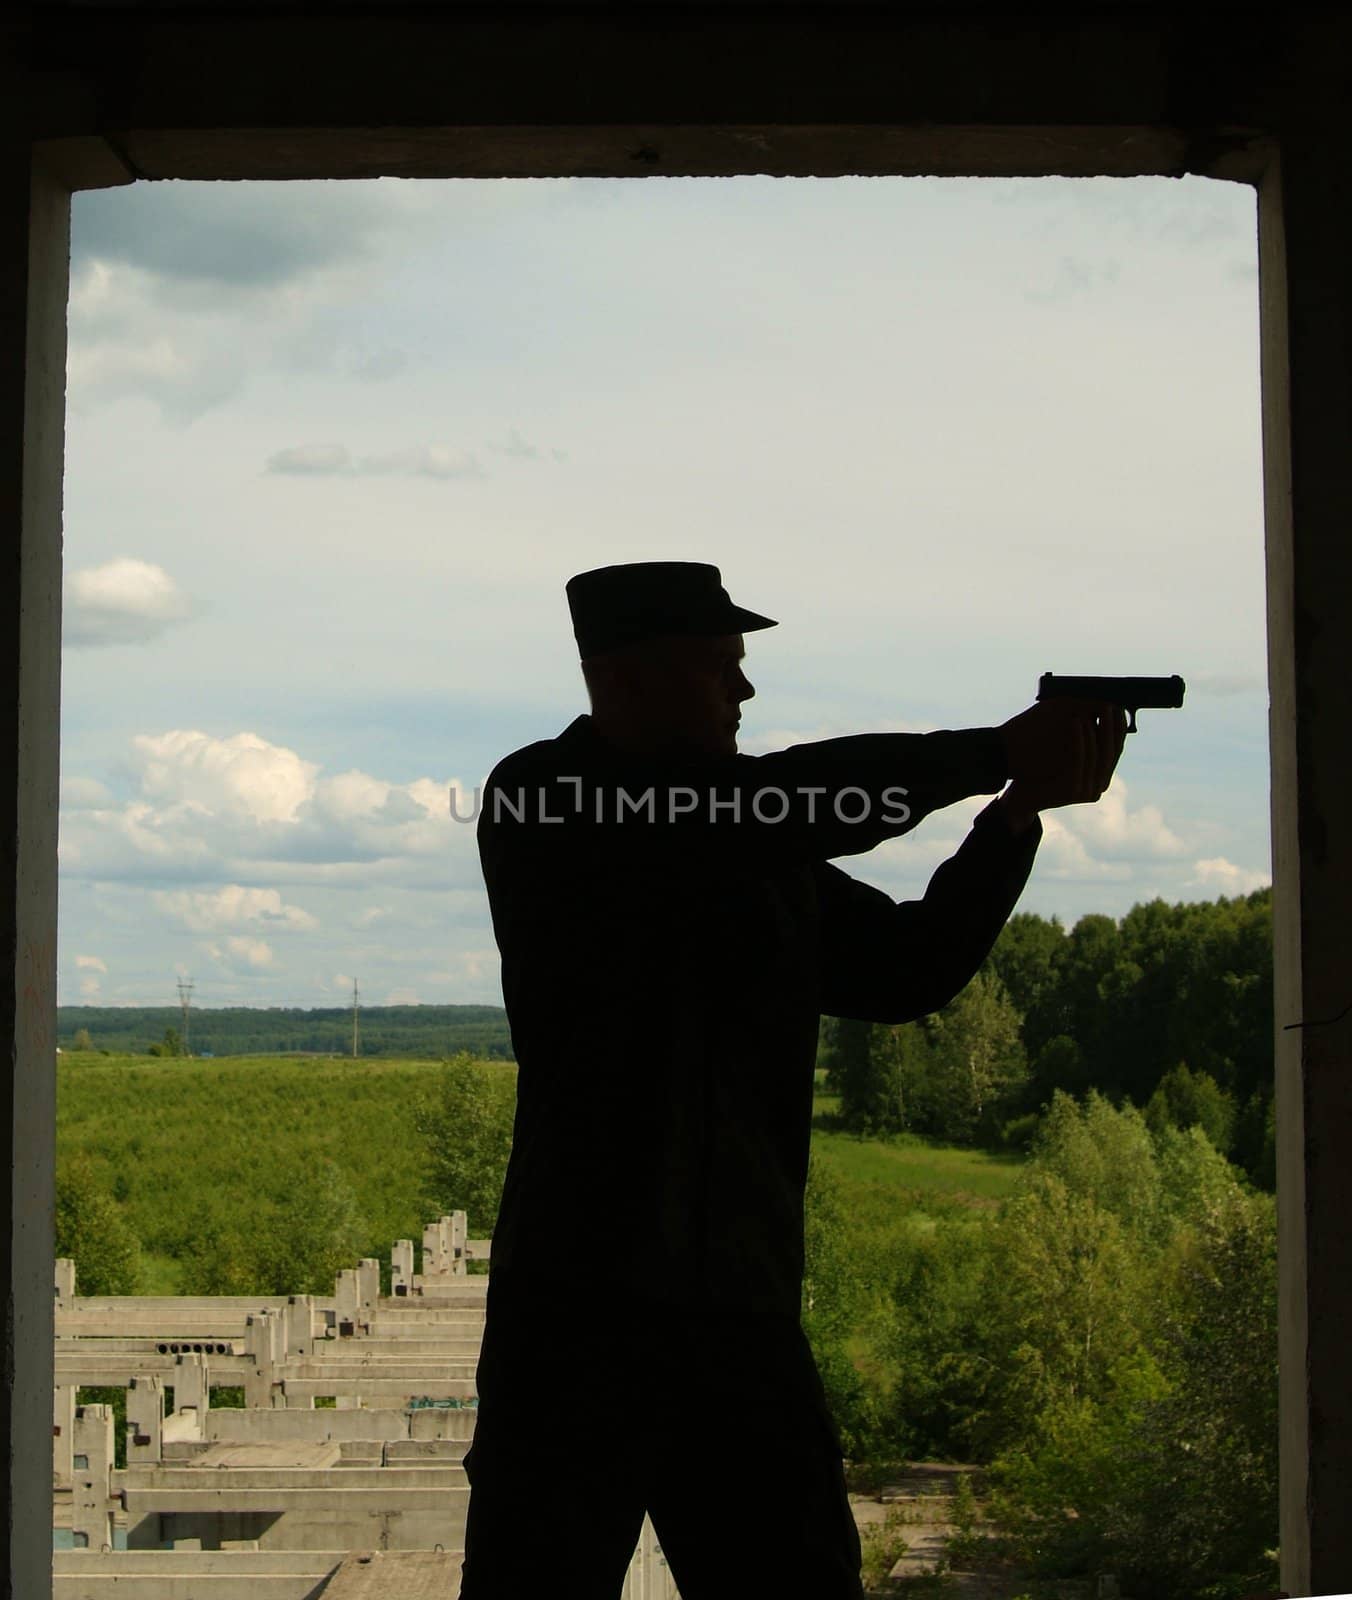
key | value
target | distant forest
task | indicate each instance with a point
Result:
(1168, 1008)
(407, 1032)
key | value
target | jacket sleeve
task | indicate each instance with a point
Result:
(808, 803)
(890, 961)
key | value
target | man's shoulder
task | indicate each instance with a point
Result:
(540, 756)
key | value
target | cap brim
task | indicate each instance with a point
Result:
(743, 621)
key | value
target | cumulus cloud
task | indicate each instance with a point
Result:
(335, 460)
(239, 953)
(245, 815)
(311, 460)
(1223, 877)
(256, 235)
(183, 293)
(91, 964)
(232, 906)
(242, 776)
(124, 601)
(1109, 828)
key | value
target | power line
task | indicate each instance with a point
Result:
(185, 987)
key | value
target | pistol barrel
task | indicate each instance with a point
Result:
(1132, 694)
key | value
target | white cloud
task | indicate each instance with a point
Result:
(89, 988)
(241, 953)
(249, 815)
(242, 776)
(402, 997)
(232, 906)
(318, 460)
(91, 964)
(335, 460)
(124, 601)
(1223, 877)
(1108, 828)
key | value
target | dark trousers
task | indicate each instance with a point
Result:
(718, 1429)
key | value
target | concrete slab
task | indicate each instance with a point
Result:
(282, 1453)
(410, 1574)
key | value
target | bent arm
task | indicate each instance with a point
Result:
(890, 961)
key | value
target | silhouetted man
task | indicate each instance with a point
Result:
(671, 930)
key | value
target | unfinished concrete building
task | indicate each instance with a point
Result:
(344, 1462)
(97, 93)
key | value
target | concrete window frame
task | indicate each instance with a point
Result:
(99, 94)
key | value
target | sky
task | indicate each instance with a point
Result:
(333, 450)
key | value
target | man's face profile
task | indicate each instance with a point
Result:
(679, 695)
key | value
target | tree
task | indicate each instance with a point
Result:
(1027, 959)
(870, 1098)
(82, 1040)
(170, 1045)
(295, 1245)
(466, 1127)
(1200, 1516)
(1186, 1099)
(977, 1063)
(835, 1300)
(92, 1232)
(1102, 1154)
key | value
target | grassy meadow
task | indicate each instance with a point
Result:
(184, 1144)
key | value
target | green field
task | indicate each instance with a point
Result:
(185, 1145)
(912, 1165)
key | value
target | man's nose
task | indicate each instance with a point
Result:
(745, 689)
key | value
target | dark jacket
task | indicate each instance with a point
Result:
(665, 967)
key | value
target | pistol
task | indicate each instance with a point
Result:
(1130, 693)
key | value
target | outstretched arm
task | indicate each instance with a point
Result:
(893, 961)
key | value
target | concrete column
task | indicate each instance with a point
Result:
(34, 280)
(192, 1388)
(401, 1266)
(145, 1421)
(261, 1342)
(298, 1326)
(1305, 256)
(431, 1263)
(63, 1434)
(346, 1301)
(65, 1280)
(458, 1231)
(368, 1292)
(91, 1520)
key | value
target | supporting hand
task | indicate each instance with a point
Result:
(1060, 753)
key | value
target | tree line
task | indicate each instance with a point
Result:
(406, 1032)
(1168, 1009)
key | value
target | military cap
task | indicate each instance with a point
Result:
(619, 605)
